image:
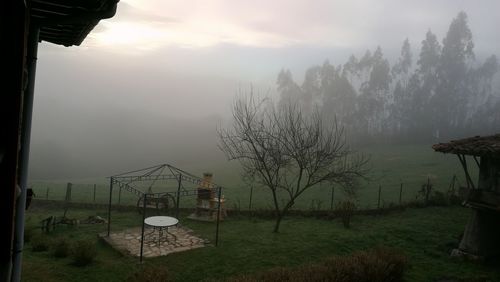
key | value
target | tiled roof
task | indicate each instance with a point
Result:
(474, 146)
(68, 22)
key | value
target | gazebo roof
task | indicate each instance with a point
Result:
(473, 146)
(68, 22)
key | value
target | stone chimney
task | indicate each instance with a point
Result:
(207, 180)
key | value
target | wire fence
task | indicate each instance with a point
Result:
(373, 195)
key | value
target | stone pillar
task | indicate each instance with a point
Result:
(482, 235)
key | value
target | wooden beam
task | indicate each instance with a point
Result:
(477, 161)
(463, 161)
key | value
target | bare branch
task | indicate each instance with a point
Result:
(283, 149)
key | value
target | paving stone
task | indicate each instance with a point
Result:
(178, 239)
(181, 249)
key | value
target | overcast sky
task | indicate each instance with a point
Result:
(186, 59)
(204, 51)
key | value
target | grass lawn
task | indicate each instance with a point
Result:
(391, 165)
(247, 245)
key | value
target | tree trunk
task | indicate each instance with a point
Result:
(281, 214)
(278, 222)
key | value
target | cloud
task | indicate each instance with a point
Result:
(149, 25)
(129, 12)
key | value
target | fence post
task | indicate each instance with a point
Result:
(400, 193)
(427, 190)
(453, 182)
(94, 192)
(47, 194)
(250, 200)
(333, 197)
(68, 192)
(379, 192)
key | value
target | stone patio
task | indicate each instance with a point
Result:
(128, 241)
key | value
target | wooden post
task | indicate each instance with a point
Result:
(379, 192)
(68, 192)
(400, 193)
(463, 161)
(332, 197)
(47, 193)
(427, 190)
(250, 200)
(94, 191)
(218, 218)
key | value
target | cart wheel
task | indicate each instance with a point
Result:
(166, 203)
(140, 204)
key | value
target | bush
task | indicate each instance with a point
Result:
(61, 248)
(438, 198)
(84, 252)
(345, 210)
(40, 244)
(150, 273)
(380, 264)
(377, 265)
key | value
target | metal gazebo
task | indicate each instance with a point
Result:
(148, 199)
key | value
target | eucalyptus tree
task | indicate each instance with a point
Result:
(452, 97)
(427, 74)
(401, 104)
(374, 95)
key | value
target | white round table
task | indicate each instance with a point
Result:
(161, 223)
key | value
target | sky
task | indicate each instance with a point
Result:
(230, 45)
(161, 63)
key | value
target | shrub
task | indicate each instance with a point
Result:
(377, 265)
(150, 273)
(40, 244)
(424, 193)
(380, 264)
(84, 252)
(61, 248)
(439, 198)
(345, 210)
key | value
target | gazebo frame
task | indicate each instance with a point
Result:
(155, 173)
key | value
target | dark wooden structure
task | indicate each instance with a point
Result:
(482, 234)
(22, 25)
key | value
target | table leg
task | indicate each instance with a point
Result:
(173, 235)
(150, 234)
(160, 234)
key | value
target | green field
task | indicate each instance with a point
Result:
(391, 166)
(247, 245)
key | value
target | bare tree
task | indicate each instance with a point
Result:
(287, 151)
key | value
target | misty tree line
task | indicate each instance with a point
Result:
(442, 93)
